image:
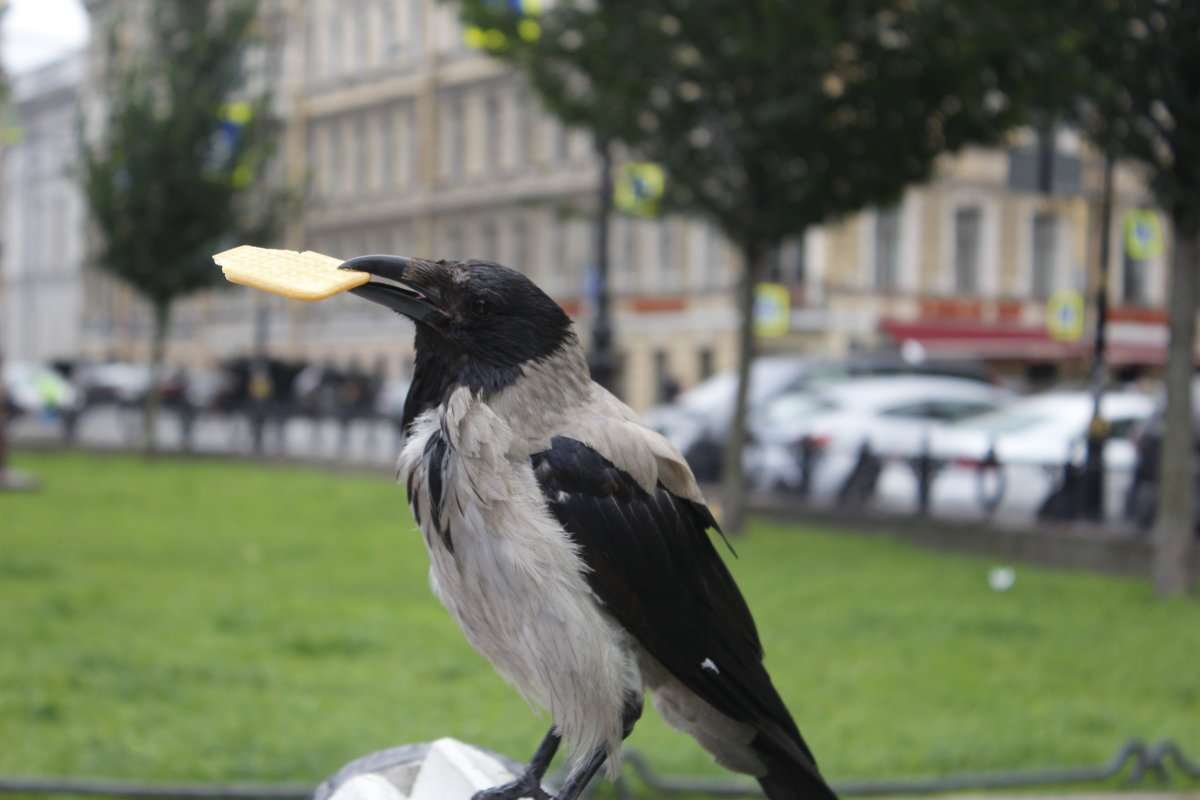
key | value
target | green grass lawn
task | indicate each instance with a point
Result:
(205, 620)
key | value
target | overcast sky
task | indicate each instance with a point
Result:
(38, 31)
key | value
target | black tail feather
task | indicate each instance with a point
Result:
(790, 777)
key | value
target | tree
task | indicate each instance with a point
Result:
(769, 117)
(175, 175)
(1139, 68)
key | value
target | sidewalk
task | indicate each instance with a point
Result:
(362, 442)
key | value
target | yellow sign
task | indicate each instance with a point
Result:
(639, 188)
(772, 310)
(493, 40)
(1143, 234)
(238, 113)
(1064, 316)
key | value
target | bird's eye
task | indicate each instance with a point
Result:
(483, 306)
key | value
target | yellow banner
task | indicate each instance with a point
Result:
(772, 310)
(639, 187)
(1064, 316)
(1143, 234)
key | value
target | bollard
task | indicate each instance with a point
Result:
(990, 466)
(859, 486)
(926, 467)
(808, 452)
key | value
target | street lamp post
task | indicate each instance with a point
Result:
(1092, 486)
(601, 359)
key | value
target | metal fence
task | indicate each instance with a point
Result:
(1062, 498)
(1162, 763)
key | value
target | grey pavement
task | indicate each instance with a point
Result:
(362, 442)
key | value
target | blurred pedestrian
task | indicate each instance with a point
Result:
(185, 409)
(259, 389)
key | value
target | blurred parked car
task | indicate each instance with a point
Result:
(892, 415)
(1032, 439)
(389, 402)
(31, 388)
(115, 382)
(697, 421)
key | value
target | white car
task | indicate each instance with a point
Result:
(893, 415)
(1032, 439)
(698, 420)
(115, 382)
(704, 411)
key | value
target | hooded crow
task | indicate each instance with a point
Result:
(570, 542)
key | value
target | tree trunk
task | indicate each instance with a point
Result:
(733, 477)
(153, 399)
(1174, 531)
(3, 424)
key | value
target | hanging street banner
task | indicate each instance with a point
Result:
(772, 310)
(1143, 234)
(233, 118)
(1064, 316)
(638, 188)
(492, 40)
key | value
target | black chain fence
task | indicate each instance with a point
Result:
(1161, 762)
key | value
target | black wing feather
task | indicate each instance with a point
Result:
(654, 566)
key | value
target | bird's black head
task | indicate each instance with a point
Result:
(477, 322)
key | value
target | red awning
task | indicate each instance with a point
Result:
(999, 341)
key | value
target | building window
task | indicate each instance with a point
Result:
(388, 27)
(707, 362)
(316, 176)
(489, 241)
(968, 222)
(666, 256)
(887, 248)
(387, 146)
(558, 252)
(1135, 275)
(785, 263)
(334, 163)
(334, 61)
(628, 252)
(361, 44)
(562, 143)
(775, 265)
(799, 259)
(662, 377)
(1043, 263)
(711, 256)
(520, 255)
(313, 50)
(524, 129)
(491, 127)
(361, 154)
(408, 147)
(457, 139)
(454, 242)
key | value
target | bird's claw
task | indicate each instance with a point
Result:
(527, 786)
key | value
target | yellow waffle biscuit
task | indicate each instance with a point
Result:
(300, 276)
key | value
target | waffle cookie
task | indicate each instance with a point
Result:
(305, 276)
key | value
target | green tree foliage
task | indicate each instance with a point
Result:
(771, 116)
(175, 174)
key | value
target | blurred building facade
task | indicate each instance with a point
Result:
(43, 216)
(401, 139)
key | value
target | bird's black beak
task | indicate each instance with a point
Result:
(412, 287)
